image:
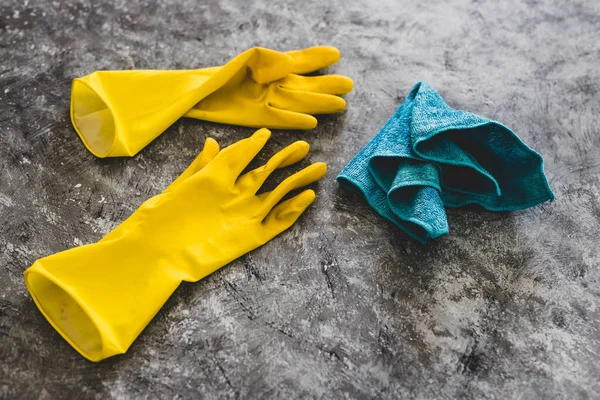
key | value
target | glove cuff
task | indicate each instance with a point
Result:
(99, 297)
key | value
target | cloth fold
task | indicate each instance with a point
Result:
(429, 155)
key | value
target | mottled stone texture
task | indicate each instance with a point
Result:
(343, 305)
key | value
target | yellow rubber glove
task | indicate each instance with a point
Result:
(117, 113)
(286, 103)
(99, 297)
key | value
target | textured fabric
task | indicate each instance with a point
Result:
(429, 155)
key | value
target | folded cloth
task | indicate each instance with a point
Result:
(429, 155)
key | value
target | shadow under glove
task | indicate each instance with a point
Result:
(101, 296)
(429, 155)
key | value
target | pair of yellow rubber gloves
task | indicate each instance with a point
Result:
(101, 296)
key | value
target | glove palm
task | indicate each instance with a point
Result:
(99, 297)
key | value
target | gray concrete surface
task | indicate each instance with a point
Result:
(343, 305)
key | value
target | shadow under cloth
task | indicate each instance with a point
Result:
(429, 155)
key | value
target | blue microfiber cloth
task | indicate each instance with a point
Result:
(429, 155)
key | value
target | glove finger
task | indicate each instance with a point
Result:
(302, 178)
(269, 65)
(231, 161)
(283, 119)
(285, 214)
(306, 102)
(208, 153)
(267, 117)
(327, 84)
(313, 58)
(253, 180)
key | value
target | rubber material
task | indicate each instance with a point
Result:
(117, 113)
(100, 296)
(287, 103)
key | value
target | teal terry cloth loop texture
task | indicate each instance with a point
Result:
(429, 155)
